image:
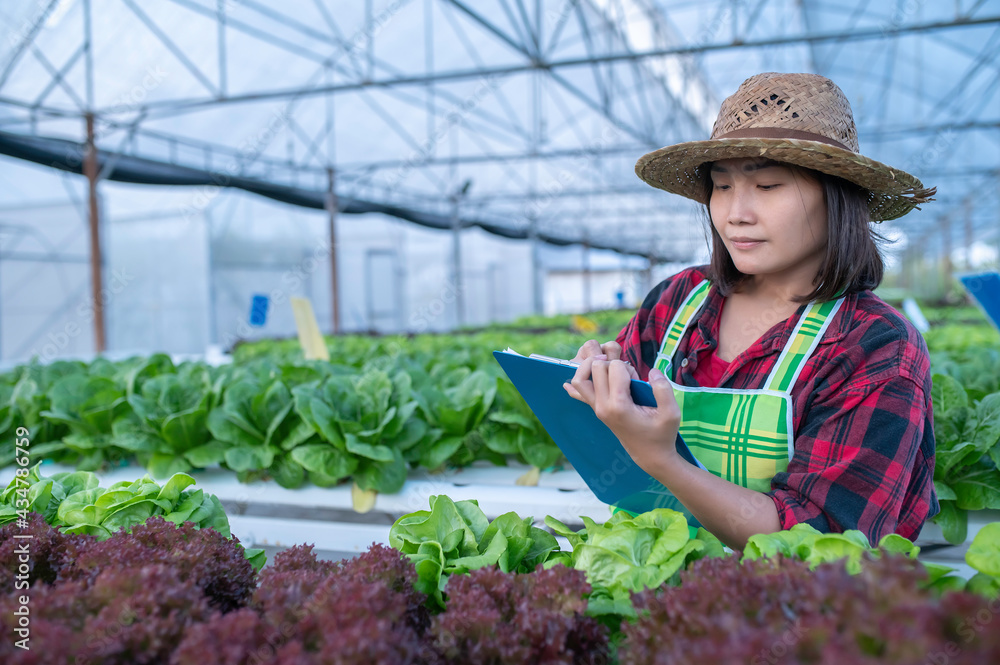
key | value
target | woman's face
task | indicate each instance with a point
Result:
(772, 219)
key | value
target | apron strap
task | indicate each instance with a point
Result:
(803, 341)
(693, 303)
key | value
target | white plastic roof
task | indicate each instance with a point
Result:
(409, 99)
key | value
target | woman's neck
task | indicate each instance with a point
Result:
(781, 291)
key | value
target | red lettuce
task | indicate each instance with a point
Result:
(131, 617)
(496, 618)
(778, 611)
(46, 552)
(216, 564)
(362, 610)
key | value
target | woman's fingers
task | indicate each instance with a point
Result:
(589, 349)
(663, 392)
(605, 385)
(592, 347)
(599, 375)
(620, 382)
(613, 350)
(612, 389)
(580, 386)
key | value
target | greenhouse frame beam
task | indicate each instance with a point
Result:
(28, 40)
(58, 77)
(172, 46)
(867, 133)
(42, 257)
(499, 157)
(256, 33)
(600, 106)
(344, 45)
(180, 105)
(875, 135)
(345, 49)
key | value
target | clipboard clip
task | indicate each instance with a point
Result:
(558, 361)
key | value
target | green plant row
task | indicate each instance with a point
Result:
(607, 322)
(396, 405)
(628, 554)
(955, 337)
(74, 503)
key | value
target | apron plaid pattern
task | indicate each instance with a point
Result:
(743, 436)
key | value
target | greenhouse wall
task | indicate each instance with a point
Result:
(181, 269)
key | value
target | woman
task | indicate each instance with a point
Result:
(806, 397)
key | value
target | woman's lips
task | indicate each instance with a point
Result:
(746, 244)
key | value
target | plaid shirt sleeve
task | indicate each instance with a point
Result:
(864, 436)
(860, 462)
(864, 439)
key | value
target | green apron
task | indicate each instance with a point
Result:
(743, 436)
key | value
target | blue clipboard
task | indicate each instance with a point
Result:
(593, 450)
(985, 288)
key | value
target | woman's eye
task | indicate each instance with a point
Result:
(767, 187)
(718, 186)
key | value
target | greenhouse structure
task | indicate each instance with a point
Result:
(260, 262)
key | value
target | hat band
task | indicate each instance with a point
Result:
(779, 133)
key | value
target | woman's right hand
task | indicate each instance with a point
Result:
(592, 347)
(607, 351)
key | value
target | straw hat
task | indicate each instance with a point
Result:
(801, 119)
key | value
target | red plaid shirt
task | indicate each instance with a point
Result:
(864, 435)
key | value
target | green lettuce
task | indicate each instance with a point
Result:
(454, 401)
(75, 503)
(454, 537)
(804, 542)
(169, 419)
(256, 428)
(365, 422)
(984, 556)
(511, 428)
(627, 554)
(967, 437)
(88, 405)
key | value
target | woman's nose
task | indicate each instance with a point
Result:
(741, 208)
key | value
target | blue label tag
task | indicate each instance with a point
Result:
(258, 310)
(985, 288)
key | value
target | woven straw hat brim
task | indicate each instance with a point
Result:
(675, 169)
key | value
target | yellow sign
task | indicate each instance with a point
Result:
(310, 337)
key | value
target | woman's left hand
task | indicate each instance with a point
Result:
(647, 433)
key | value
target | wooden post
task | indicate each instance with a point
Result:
(90, 170)
(537, 278)
(946, 251)
(969, 241)
(331, 209)
(456, 262)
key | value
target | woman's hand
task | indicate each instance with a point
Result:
(647, 434)
(608, 351)
(731, 512)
